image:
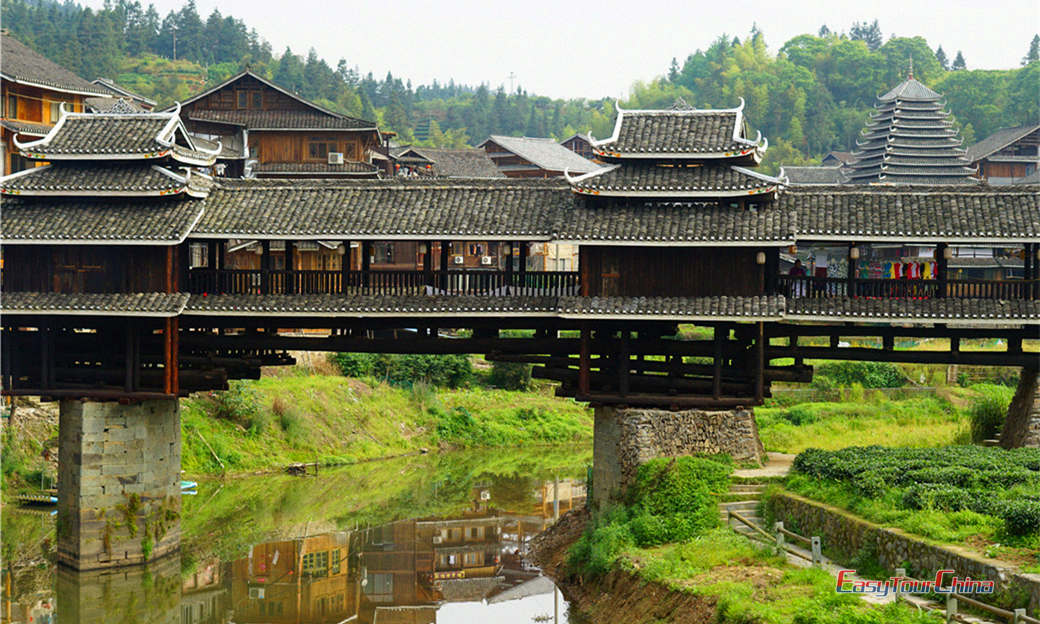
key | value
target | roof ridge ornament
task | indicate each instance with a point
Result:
(680, 105)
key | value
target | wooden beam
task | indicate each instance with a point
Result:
(128, 337)
(444, 265)
(760, 362)
(585, 364)
(980, 358)
(344, 268)
(265, 267)
(290, 267)
(623, 363)
(941, 269)
(720, 334)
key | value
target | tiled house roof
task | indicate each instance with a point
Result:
(356, 169)
(999, 140)
(800, 176)
(679, 308)
(280, 120)
(24, 65)
(950, 309)
(546, 154)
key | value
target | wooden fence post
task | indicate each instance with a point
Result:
(1019, 617)
(951, 609)
(779, 528)
(817, 554)
(900, 573)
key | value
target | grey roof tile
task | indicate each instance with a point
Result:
(798, 176)
(361, 305)
(95, 177)
(545, 153)
(160, 221)
(912, 310)
(419, 208)
(23, 64)
(675, 223)
(682, 181)
(297, 168)
(937, 213)
(999, 140)
(723, 307)
(27, 128)
(675, 132)
(95, 304)
(281, 119)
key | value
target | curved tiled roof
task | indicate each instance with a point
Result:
(668, 223)
(946, 309)
(545, 153)
(394, 208)
(102, 220)
(94, 304)
(296, 168)
(76, 178)
(652, 179)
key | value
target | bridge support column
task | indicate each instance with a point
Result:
(1022, 426)
(149, 593)
(625, 438)
(118, 482)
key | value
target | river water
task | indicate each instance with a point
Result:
(416, 540)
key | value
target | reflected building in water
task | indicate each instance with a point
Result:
(397, 573)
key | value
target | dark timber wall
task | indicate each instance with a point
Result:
(670, 271)
(87, 268)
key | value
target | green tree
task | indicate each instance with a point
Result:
(1034, 51)
(958, 62)
(940, 56)
(869, 34)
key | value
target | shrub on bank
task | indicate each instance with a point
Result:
(867, 374)
(670, 501)
(450, 371)
(510, 375)
(989, 410)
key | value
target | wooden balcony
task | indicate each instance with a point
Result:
(793, 286)
(450, 282)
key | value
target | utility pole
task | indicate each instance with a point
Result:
(512, 82)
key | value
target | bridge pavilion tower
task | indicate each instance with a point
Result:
(92, 295)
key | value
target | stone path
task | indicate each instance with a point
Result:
(779, 465)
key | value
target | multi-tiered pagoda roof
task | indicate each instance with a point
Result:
(115, 154)
(679, 154)
(910, 139)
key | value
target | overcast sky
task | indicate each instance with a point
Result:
(596, 49)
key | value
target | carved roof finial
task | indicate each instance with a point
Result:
(910, 75)
(124, 107)
(681, 105)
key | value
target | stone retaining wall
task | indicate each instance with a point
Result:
(626, 438)
(845, 535)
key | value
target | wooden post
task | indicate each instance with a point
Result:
(901, 574)
(760, 362)
(941, 269)
(366, 263)
(265, 267)
(45, 363)
(524, 249)
(427, 264)
(718, 337)
(211, 255)
(175, 376)
(585, 360)
(444, 265)
(168, 355)
(778, 528)
(623, 363)
(183, 262)
(817, 551)
(510, 248)
(344, 268)
(129, 337)
(290, 267)
(850, 276)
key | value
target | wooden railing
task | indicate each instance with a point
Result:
(451, 282)
(805, 286)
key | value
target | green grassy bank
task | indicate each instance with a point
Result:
(330, 419)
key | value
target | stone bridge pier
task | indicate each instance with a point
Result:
(1022, 426)
(119, 496)
(624, 438)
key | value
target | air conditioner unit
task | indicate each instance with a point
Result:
(458, 260)
(485, 495)
(256, 593)
(485, 260)
(437, 539)
(335, 158)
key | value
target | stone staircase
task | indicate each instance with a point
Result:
(743, 498)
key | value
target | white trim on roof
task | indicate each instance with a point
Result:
(354, 236)
(786, 242)
(912, 320)
(50, 87)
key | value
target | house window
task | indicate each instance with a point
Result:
(336, 557)
(318, 148)
(380, 587)
(12, 107)
(474, 532)
(243, 99)
(258, 99)
(55, 111)
(472, 559)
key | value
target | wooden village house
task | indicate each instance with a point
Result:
(1008, 156)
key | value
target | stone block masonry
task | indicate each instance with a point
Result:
(118, 482)
(845, 536)
(149, 594)
(625, 438)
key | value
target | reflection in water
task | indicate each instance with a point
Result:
(248, 557)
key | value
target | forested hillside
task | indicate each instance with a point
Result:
(810, 97)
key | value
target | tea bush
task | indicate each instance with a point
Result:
(986, 480)
(510, 375)
(449, 371)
